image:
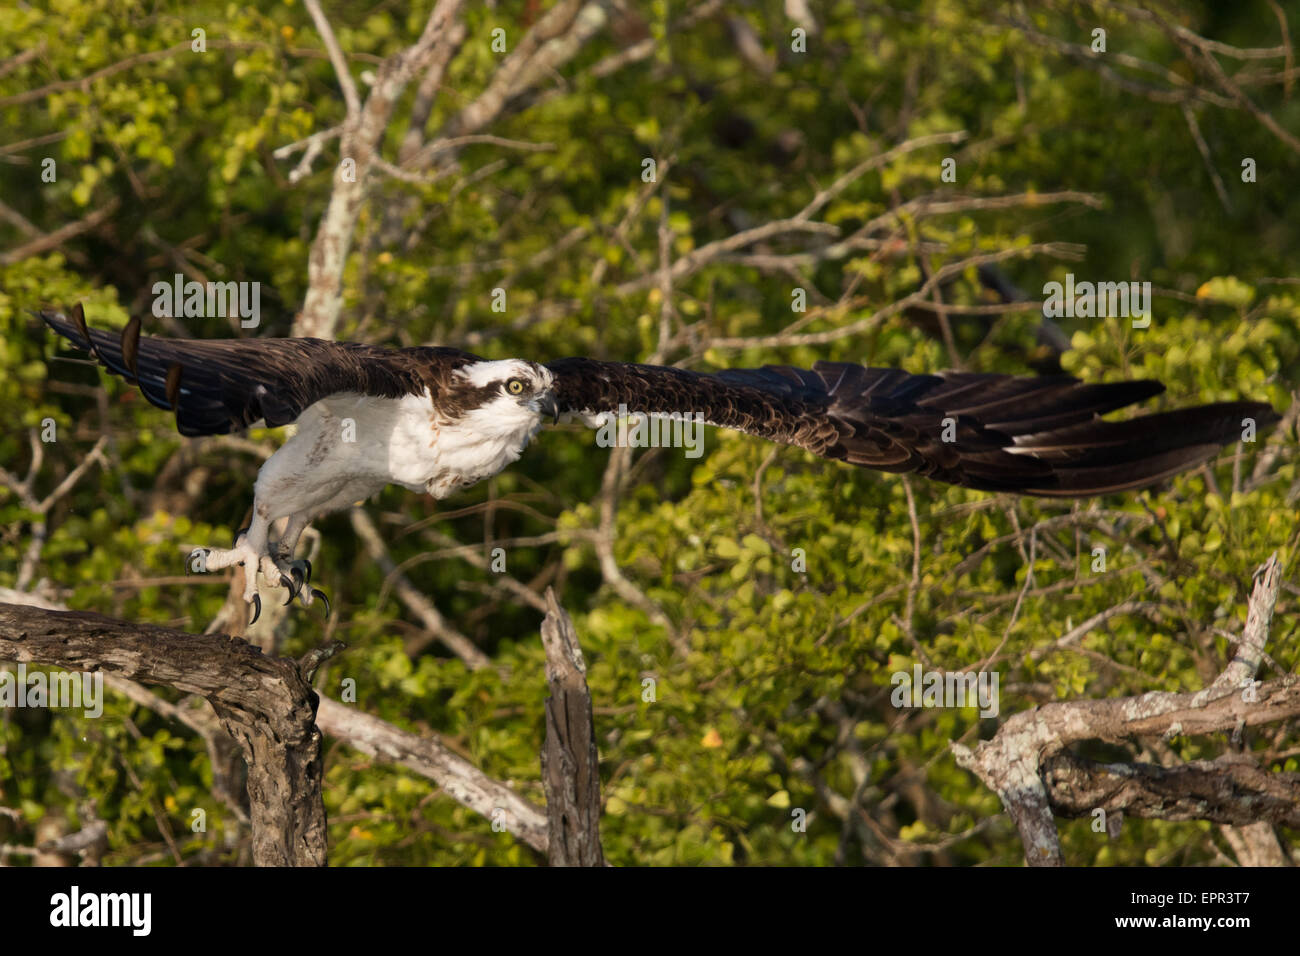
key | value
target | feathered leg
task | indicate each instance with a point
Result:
(284, 489)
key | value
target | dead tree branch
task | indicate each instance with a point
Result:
(424, 754)
(53, 240)
(430, 757)
(1024, 761)
(1229, 790)
(570, 765)
(265, 703)
(362, 131)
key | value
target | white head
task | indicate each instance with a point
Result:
(509, 396)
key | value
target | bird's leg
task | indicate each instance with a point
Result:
(251, 552)
(284, 548)
(303, 480)
(311, 475)
(344, 495)
(298, 571)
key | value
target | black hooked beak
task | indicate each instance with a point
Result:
(547, 406)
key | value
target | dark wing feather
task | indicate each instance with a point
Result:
(225, 385)
(1040, 436)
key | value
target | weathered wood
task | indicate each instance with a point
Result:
(429, 756)
(1015, 763)
(570, 764)
(1232, 789)
(265, 703)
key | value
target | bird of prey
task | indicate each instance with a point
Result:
(438, 419)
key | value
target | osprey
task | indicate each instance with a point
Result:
(439, 419)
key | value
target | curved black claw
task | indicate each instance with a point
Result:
(257, 609)
(319, 595)
(293, 583)
(302, 568)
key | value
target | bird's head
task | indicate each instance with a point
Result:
(515, 392)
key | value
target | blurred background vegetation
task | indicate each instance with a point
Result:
(771, 685)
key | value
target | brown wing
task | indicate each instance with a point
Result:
(1031, 435)
(223, 385)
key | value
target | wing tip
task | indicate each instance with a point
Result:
(66, 327)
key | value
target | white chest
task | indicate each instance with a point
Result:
(408, 442)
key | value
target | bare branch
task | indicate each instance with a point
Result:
(84, 82)
(362, 135)
(1231, 790)
(419, 605)
(538, 53)
(265, 703)
(1013, 762)
(52, 240)
(346, 83)
(570, 765)
(871, 321)
(430, 757)
(1244, 666)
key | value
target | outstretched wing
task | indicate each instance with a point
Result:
(225, 385)
(1031, 435)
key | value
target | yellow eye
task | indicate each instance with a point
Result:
(515, 386)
